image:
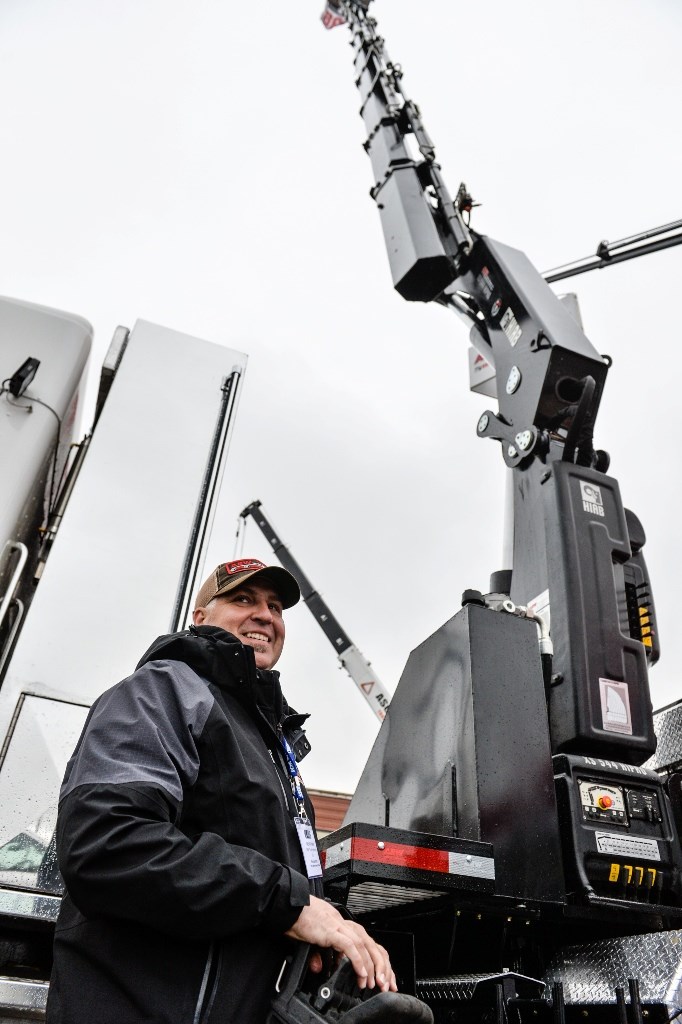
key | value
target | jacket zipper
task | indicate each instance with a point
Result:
(201, 1000)
(279, 779)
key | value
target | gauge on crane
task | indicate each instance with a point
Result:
(602, 802)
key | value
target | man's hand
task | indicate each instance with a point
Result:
(322, 925)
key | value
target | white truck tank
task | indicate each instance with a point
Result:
(36, 432)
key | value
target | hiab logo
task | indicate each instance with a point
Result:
(592, 499)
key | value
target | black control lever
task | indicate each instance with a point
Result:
(339, 1000)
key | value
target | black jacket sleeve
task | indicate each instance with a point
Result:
(121, 851)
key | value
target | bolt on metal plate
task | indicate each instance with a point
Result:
(513, 380)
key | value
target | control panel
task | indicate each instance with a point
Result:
(618, 840)
(618, 805)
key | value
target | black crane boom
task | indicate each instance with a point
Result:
(352, 659)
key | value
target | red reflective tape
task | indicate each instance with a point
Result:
(401, 855)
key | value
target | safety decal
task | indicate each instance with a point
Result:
(485, 281)
(510, 326)
(627, 846)
(615, 706)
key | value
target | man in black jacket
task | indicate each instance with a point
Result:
(185, 834)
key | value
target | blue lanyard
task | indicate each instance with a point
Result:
(294, 778)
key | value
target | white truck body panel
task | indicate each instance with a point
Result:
(110, 583)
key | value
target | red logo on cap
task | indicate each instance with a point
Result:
(243, 565)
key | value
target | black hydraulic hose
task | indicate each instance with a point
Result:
(547, 661)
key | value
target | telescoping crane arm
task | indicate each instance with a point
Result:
(548, 372)
(352, 659)
(576, 551)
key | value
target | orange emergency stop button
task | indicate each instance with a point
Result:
(605, 802)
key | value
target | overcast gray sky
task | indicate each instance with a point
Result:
(200, 165)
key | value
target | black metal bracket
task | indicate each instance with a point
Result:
(517, 445)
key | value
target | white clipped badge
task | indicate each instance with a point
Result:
(306, 837)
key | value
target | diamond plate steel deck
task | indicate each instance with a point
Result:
(462, 988)
(668, 729)
(591, 972)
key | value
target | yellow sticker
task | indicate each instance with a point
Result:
(614, 872)
(645, 627)
(652, 872)
(640, 874)
(628, 868)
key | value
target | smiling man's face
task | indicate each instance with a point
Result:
(253, 613)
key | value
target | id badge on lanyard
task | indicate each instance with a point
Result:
(304, 829)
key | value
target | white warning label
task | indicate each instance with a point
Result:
(615, 706)
(510, 326)
(627, 846)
